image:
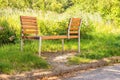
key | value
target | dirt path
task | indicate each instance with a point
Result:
(58, 61)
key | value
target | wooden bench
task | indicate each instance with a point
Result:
(29, 30)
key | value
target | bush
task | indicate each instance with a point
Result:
(86, 30)
(48, 27)
(7, 34)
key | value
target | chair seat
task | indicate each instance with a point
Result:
(49, 37)
(57, 37)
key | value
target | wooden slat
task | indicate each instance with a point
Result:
(29, 23)
(57, 37)
(74, 29)
(76, 19)
(27, 17)
(71, 37)
(49, 37)
(75, 22)
(54, 37)
(29, 20)
(73, 32)
(29, 27)
(30, 32)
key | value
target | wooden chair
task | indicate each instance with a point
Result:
(29, 30)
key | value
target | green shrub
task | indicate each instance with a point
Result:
(7, 34)
(86, 31)
(49, 27)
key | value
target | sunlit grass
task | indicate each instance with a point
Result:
(101, 45)
(51, 45)
(78, 60)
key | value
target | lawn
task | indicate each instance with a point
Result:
(12, 60)
(92, 48)
(97, 48)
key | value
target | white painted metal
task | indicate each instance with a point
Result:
(62, 45)
(69, 28)
(79, 37)
(40, 44)
(21, 45)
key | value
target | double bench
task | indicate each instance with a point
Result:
(29, 30)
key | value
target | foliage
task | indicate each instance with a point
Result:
(6, 33)
(52, 27)
(52, 5)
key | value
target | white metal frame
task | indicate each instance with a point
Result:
(69, 28)
(79, 37)
(62, 45)
(21, 45)
(78, 34)
(40, 44)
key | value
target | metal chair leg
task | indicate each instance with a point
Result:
(62, 45)
(79, 45)
(21, 45)
(40, 43)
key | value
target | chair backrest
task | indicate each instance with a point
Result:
(28, 26)
(74, 27)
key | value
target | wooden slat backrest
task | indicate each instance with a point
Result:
(74, 26)
(75, 22)
(28, 25)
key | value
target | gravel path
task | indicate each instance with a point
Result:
(58, 61)
(104, 73)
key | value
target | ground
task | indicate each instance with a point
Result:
(58, 60)
(104, 73)
(59, 64)
(61, 70)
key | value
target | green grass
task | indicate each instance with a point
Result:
(78, 60)
(56, 45)
(95, 48)
(12, 60)
(51, 45)
(101, 46)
